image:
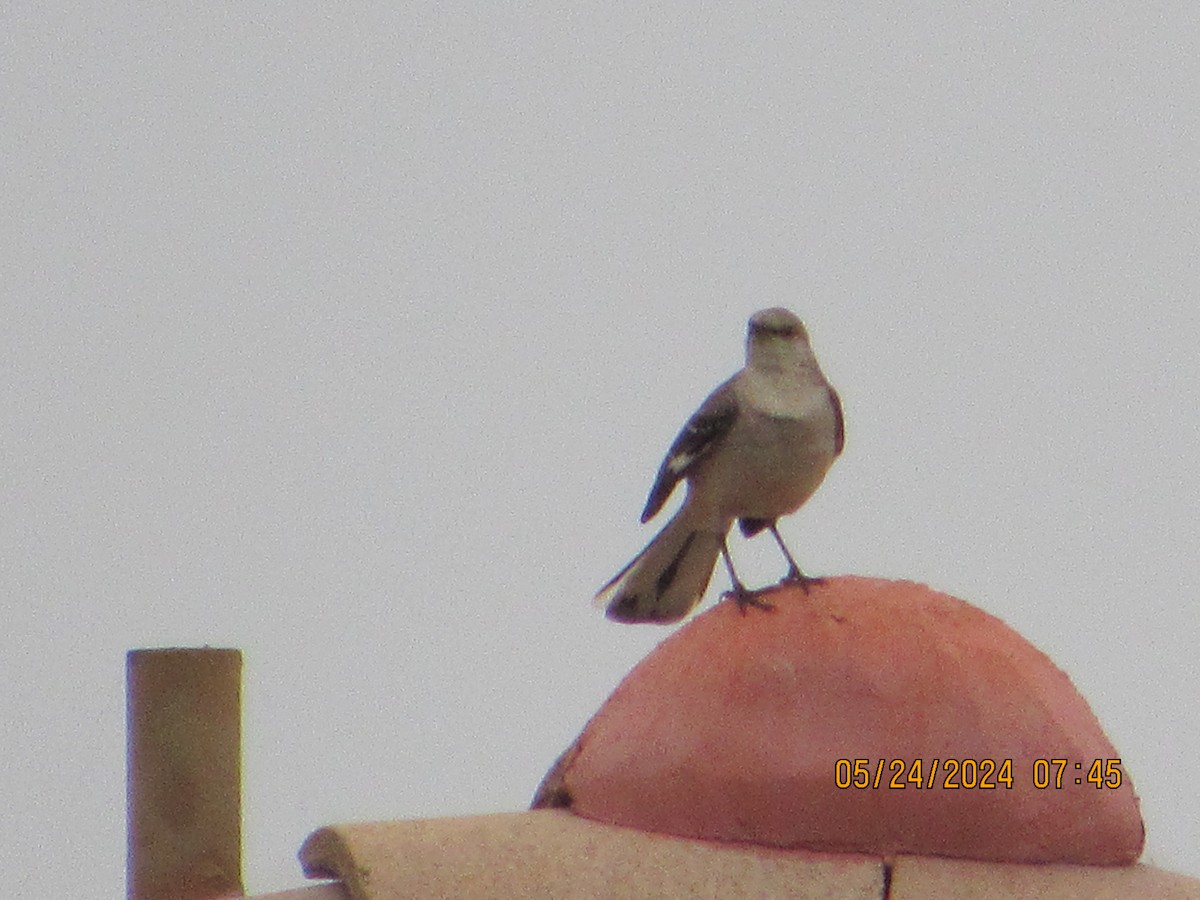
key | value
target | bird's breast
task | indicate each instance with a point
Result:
(778, 463)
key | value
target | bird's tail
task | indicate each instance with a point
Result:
(666, 579)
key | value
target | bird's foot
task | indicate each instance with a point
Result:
(745, 598)
(805, 582)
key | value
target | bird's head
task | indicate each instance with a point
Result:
(776, 334)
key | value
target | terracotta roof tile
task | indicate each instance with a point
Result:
(732, 729)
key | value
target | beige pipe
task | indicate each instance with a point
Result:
(184, 774)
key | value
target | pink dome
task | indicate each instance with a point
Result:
(733, 728)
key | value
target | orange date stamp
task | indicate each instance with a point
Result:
(972, 774)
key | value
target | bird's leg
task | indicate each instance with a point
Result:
(741, 595)
(794, 575)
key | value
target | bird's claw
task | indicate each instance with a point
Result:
(795, 576)
(745, 598)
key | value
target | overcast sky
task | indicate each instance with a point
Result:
(352, 335)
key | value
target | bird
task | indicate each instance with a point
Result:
(756, 449)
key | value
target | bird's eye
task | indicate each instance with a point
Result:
(784, 331)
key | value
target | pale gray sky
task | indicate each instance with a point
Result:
(352, 336)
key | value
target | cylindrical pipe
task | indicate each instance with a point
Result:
(184, 774)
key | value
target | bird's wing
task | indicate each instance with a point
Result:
(839, 436)
(701, 434)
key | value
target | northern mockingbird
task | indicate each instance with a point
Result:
(755, 450)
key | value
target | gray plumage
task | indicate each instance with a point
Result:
(755, 450)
